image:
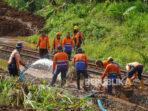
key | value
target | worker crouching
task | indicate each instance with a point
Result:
(81, 63)
(15, 60)
(133, 69)
(60, 65)
(112, 71)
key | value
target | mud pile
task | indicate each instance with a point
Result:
(18, 23)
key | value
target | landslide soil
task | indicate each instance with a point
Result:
(18, 23)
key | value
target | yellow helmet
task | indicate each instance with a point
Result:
(76, 27)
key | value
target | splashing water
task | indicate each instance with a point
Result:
(43, 62)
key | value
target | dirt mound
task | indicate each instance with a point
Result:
(18, 23)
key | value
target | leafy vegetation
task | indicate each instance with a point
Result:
(116, 29)
(40, 97)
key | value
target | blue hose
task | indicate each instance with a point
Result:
(100, 105)
(98, 101)
(89, 96)
(21, 73)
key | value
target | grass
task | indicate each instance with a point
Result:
(110, 29)
(41, 97)
(3, 64)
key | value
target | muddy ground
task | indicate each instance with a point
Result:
(18, 23)
(112, 104)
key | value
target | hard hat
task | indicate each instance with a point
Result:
(76, 27)
(58, 34)
(59, 47)
(110, 59)
(19, 45)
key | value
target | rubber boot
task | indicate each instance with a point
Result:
(127, 83)
(141, 84)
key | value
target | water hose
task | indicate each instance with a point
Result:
(21, 73)
(98, 101)
(100, 105)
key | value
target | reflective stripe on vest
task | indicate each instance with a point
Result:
(80, 65)
(68, 47)
(61, 65)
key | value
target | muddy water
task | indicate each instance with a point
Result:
(14, 40)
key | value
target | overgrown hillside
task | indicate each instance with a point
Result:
(117, 29)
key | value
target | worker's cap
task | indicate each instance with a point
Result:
(79, 50)
(19, 45)
(58, 34)
(110, 59)
(59, 47)
(76, 27)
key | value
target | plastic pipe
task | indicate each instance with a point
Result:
(21, 73)
(100, 105)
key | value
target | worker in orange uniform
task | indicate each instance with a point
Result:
(103, 64)
(68, 44)
(133, 68)
(57, 41)
(43, 44)
(112, 71)
(60, 65)
(77, 37)
(81, 63)
(15, 60)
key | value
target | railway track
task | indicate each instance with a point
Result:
(33, 54)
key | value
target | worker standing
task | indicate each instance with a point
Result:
(68, 44)
(112, 71)
(43, 44)
(57, 41)
(133, 68)
(81, 63)
(60, 65)
(77, 37)
(15, 60)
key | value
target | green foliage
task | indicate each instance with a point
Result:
(40, 97)
(110, 29)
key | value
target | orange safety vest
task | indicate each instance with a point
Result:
(68, 44)
(80, 61)
(111, 68)
(55, 44)
(60, 61)
(43, 43)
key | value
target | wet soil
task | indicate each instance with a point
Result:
(18, 23)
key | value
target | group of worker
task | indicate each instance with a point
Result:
(68, 43)
(62, 55)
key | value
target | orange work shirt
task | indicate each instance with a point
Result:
(68, 40)
(80, 57)
(111, 68)
(55, 43)
(105, 63)
(60, 56)
(76, 37)
(43, 43)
